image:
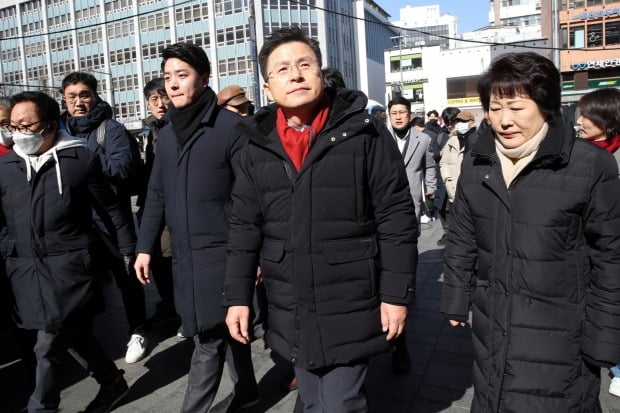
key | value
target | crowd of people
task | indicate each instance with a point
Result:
(298, 224)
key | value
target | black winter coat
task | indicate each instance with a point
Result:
(333, 240)
(548, 288)
(47, 235)
(189, 190)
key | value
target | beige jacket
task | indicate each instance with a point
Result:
(450, 165)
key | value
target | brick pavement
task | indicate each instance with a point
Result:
(439, 381)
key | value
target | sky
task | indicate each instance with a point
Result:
(471, 14)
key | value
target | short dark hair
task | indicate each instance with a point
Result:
(79, 77)
(432, 112)
(528, 74)
(156, 85)
(400, 101)
(448, 115)
(47, 107)
(282, 36)
(332, 78)
(193, 55)
(602, 107)
(418, 121)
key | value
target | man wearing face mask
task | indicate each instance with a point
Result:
(6, 139)
(49, 184)
(452, 155)
(120, 159)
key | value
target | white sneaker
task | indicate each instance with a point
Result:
(424, 219)
(136, 348)
(614, 386)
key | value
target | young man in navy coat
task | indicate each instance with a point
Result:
(189, 191)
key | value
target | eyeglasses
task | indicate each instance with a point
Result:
(25, 129)
(155, 99)
(399, 113)
(83, 96)
(282, 70)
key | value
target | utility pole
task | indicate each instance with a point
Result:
(254, 54)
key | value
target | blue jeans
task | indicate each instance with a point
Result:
(615, 370)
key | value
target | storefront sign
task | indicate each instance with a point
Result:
(597, 14)
(464, 101)
(594, 83)
(596, 64)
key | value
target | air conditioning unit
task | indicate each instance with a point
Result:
(571, 5)
(537, 5)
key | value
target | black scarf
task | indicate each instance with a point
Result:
(81, 126)
(187, 120)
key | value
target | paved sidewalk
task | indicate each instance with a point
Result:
(439, 381)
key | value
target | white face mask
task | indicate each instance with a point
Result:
(6, 137)
(28, 143)
(462, 127)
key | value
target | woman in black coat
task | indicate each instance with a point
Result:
(537, 211)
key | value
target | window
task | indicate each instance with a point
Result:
(123, 83)
(194, 13)
(120, 29)
(92, 62)
(595, 37)
(34, 49)
(89, 36)
(577, 37)
(225, 7)
(153, 50)
(155, 21)
(122, 56)
(118, 5)
(61, 69)
(88, 13)
(612, 33)
(564, 38)
(61, 43)
(232, 35)
(199, 39)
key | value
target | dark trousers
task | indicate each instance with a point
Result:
(77, 338)
(212, 348)
(335, 389)
(107, 258)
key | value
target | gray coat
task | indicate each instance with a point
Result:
(420, 167)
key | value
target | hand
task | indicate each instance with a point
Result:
(393, 319)
(143, 268)
(456, 323)
(128, 259)
(430, 195)
(238, 320)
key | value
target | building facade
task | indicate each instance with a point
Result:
(120, 41)
(589, 37)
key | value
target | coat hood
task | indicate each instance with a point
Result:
(345, 102)
(35, 162)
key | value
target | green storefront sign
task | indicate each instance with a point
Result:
(594, 83)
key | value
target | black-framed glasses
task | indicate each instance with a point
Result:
(24, 128)
(83, 96)
(155, 99)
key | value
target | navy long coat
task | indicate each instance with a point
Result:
(189, 191)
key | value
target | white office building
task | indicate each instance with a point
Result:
(120, 42)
